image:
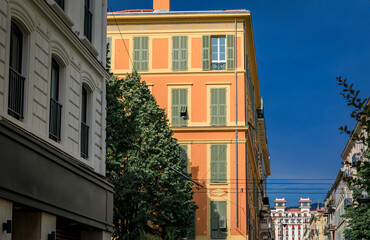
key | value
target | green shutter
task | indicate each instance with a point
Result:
(218, 219)
(218, 164)
(218, 106)
(179, 53)
(230, 52)
(179, 102)
(141, 53)
(222, 211)
(206, 52)
(184, 155)
(214, 219)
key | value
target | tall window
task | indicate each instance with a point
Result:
(88, 20)
(179, 107)
(84, 126)
(218, 53)
(55, 106)
(16, 80)
(141, 54)
(218, 164)
(218, 219)
(218, 106)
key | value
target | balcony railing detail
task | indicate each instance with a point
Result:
(55, 119)
(16, 94)
(88, 23)
(84, 140)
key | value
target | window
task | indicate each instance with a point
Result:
(16, 80)
(184, 155)
(179, 53)
(218, 52)
(55, 106)
(141, 54)
(218, 164)
(60, 3)
(218, 219)
(218, 106)
(88, 20)
(84, 126)
(179, 107)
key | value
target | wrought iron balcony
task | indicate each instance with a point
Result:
(55, 119)
(16, 94)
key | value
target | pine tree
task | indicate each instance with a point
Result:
(149, 196)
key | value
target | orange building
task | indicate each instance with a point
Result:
(201, 67)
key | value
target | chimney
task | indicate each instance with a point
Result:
(161, 5)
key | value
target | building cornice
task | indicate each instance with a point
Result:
(211, 129)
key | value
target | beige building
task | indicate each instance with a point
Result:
(52, 120)
(315, 230)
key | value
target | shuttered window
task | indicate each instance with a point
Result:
(179, 107)
(206, 52)
(230, 52)
(218, 106)
(218, 219)
(218, 164)
(179, 53)
(184, 155)
(141, 54)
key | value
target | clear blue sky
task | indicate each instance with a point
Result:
(301, 47)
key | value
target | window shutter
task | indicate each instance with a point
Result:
(218, 106)
(179, 100)
(141, 53)
(214, 163)
(175, 53)
(184, 53)
(222, 211)
(230, 52)
(206, 53)
(184, 155)
(137, 53)
(222, 169)
(214, 109)
(214, 219)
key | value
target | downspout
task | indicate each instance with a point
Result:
(236, 132)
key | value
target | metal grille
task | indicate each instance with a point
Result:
(55, 119)
(84, 140)
(88, 23)
(16, 94)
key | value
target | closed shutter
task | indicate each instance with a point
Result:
(179, 102)
(141, 53)
(218, 219)
(175, 53)
(183, 53)
(184, 155)
(206, 52)
(230, 52)
(218, 106)
(218, 163)
(179, 53)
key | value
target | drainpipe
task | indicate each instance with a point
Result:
(236, 132)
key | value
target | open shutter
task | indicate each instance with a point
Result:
(222, 169)
(230, 52)
(184, 155)
(206, 52)
(214, 220)
(183, 102)
(184, 53)
(214, 163)
(179, 103)
(175, 53)
(222, 211)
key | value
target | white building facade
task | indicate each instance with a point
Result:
(52, 120)
(291, 223)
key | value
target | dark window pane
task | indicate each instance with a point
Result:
(84, 105)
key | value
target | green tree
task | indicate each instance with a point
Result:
(358, 214)
(149, 197)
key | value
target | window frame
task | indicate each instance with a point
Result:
(88, 20)
(85, 128)
(217, 232)
(218, 60)
(55, 110)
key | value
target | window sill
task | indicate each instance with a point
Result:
(89, 46)
(60, 13)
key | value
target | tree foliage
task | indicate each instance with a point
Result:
(358, 214)
(149, 197)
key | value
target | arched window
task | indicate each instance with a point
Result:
(84, 124)
(16, 79)
(55, 105)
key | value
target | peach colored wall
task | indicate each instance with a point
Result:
(196, 53)
(160, 53)
(238, 52)
(121, 58)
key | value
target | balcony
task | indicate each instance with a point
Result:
(16, 94)
(55, 120)
(84, 140)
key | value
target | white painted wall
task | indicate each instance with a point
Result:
(47, 34)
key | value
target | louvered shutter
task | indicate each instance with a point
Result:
(184, 155)
(218, 106)
(206, 52)
(179, 101)
(175, 53)
(214, 163)
(184, 53)
(230, 52)
(214, 220)
(222, 165)
(141, 53)
(222, 211)
(136, 53)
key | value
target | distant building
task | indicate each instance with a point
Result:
(290, 223)
(52, 121)
(315, 230)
